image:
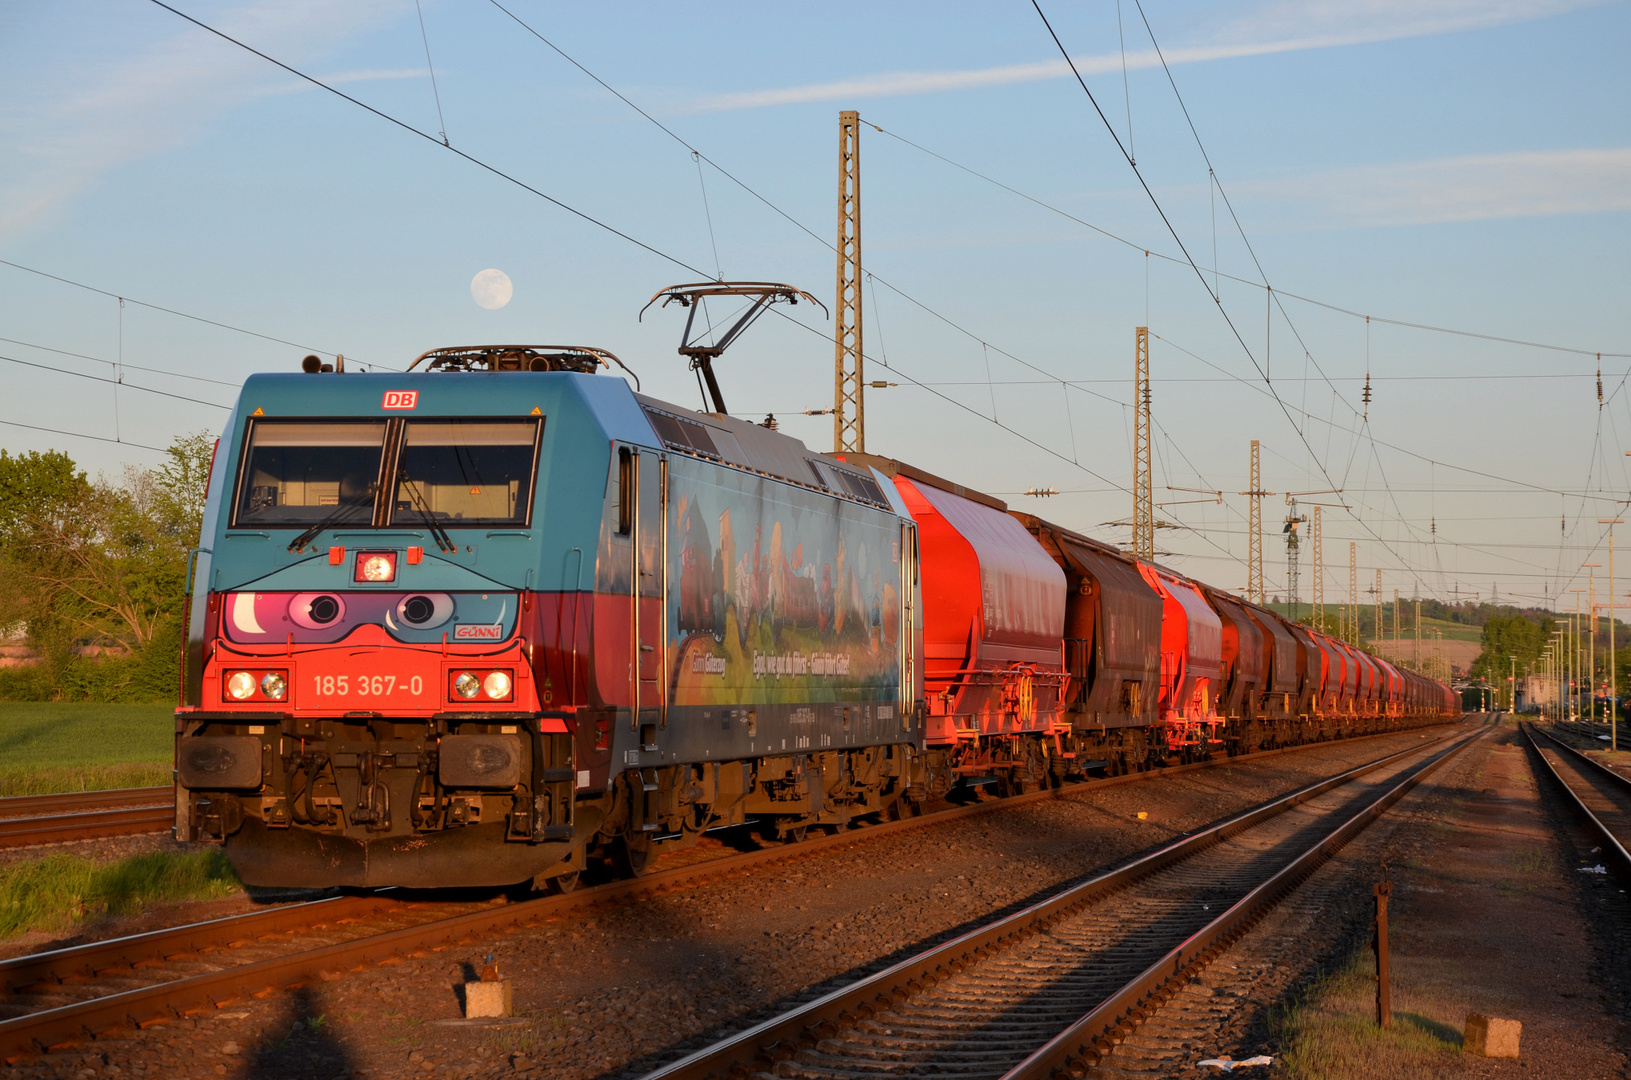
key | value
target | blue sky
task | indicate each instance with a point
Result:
(1459, 165)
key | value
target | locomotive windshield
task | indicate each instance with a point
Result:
(300, 472)
(466, 471)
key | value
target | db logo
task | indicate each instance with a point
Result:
(401, 399)
(486, 633)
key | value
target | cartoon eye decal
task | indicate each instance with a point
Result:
(241, 609)
(314, 611)
(424, 610)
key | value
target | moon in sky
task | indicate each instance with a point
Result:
(491, 289)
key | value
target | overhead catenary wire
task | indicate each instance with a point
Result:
(405, 126)
(441, 122)
(1240, 229)
(83, 435)
(1280, 292)
(116, 383)
(1216, 299)
(510, 178)
(1379, 442)
(828, 244)
(698, 155)
(494, 170)
(1126, 89)
(875, 280)
(165, 310)
(122, 363)
(708, 214)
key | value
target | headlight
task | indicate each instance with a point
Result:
(497, 685)
(467, 685)
(273, 685)
(240, 684)
(375, 566)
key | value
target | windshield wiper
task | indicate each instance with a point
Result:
(437, 533)
(332, 518)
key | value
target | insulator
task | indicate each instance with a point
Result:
(1366, 396)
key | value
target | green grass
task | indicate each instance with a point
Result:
(1331, 1032)
(59, 891)
(53, 746)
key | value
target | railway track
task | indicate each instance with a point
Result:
(69, 995)
(1598, 794)
(84, 815)
(1048, 990)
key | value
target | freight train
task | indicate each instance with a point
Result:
(501, 616)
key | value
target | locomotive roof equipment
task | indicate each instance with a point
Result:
(584, 359)
(702, 357)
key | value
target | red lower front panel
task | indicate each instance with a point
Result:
(369, 672)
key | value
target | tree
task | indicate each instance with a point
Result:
(35, 487)
(1507, 638)
(182, 486)
(100, 564)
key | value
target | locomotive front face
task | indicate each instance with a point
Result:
(364, 702)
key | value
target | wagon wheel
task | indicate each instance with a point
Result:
(632, 854)
(795, 834)
(563, 883)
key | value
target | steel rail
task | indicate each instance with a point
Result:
(1085, 1042)
(142, 1007)
(1597, 768)
(1611, 844)
(89, 825)
(749, 1050)
(73, 802)
(25, 974)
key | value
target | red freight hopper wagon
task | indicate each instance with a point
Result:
(1112, 649)
(1283, 682)
(1348, 701)
(1244, 661)
(993, 627)
(1191, 658)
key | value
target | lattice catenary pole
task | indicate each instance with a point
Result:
(1143, 498)
(849, 404)
(1254, 549)
(1318, 599)
(1353, 593)
(1397, 653)
(1376, 593)
(1417, 653)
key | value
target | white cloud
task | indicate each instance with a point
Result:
(80, 123)
(1271, 28)
(1476, 188)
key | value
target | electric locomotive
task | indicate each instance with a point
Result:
(459, 625)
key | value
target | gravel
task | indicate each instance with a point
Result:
(617, 991)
